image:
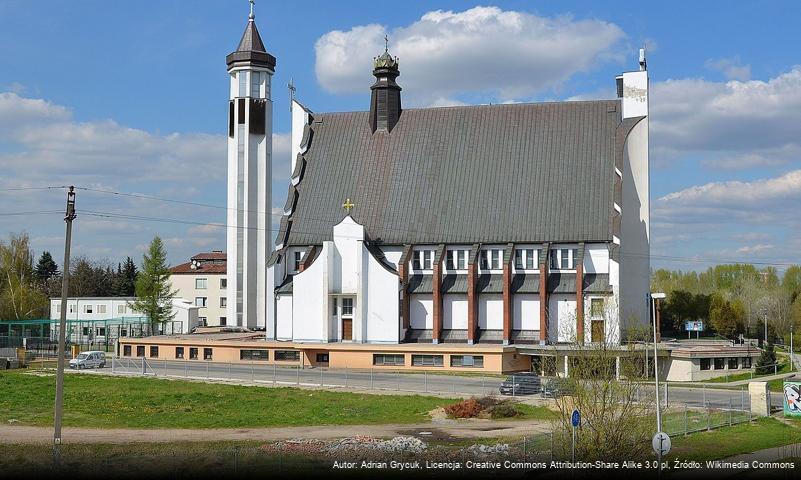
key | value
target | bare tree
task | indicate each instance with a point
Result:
(617, 423)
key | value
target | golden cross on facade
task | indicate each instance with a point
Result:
(348, 206)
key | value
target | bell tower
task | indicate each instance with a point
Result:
(249, 243)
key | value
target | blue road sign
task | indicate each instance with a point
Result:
(575, 419)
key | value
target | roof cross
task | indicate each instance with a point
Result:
(252, 15)
(348, 206)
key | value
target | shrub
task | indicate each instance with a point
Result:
(465, 409)
(503, 410)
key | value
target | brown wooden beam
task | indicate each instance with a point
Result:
(436, 293)
(508, 255)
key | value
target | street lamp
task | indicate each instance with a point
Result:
(654, 296)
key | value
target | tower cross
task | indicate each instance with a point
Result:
(348, 206)
(386, 43)
(252, 15)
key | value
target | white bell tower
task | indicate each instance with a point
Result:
(250, 114)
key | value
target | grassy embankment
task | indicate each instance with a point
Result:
(97, 401)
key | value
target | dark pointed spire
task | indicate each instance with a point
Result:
(385, 103)
(251, 49)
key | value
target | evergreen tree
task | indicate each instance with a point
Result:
(46, 268)
(154, 293)
(127, 278)
(767, 360)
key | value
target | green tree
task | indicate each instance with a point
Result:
(46, 268)
(19, 296)
(791, 281)
(725, 317)
(125, 278)
(767, 360)
(153, 290)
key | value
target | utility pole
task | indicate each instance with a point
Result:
(792, 360)
(62, 327)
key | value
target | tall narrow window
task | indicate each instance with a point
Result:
(461, 259)
(298, 259)
(518, 259)
(334, 306)
(231, 119)
(427, 259)
(450, 264)
(241, 113)
(347, 307)
(243, 83)
(564, 259)
(574, 258)
(530, 252)
(255, 84)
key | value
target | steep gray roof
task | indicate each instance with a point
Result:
(490, 173)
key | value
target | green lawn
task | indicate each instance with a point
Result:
(783, 368)
(99, 401)
(729, 441)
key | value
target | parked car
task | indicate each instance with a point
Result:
(521, 384)
(557, 387)
(91, 359)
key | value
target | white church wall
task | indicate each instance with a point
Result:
(310, 300)
(347, 242)
(634, 229)
(382, 302)
(490, 311)
(526, 311)
(393, 255)
(299, 120)
(596, 258)
(454, 311)
(421, 311)
(283, 313)
(562, 317)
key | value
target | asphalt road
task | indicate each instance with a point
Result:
(388, 379)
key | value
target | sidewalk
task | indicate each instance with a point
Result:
(10, 434)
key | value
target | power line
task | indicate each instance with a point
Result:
(622, 254)
(20, 189)
(43, 212)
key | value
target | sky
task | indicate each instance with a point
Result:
(131, 97)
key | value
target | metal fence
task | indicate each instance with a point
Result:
(715, 400)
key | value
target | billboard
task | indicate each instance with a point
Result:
(792, 398)
(694, 326)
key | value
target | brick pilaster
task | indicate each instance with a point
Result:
(544, 293)
(403, 274)
(508, 254)
(580, 294)
(472, 295)
(436, 293)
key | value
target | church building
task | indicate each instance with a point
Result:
(484, 237)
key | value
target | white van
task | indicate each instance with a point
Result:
(93, 359)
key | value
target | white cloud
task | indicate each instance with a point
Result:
(740, 194)
(757, 249)
(729, 117)
(509, 54)
(731, 68)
